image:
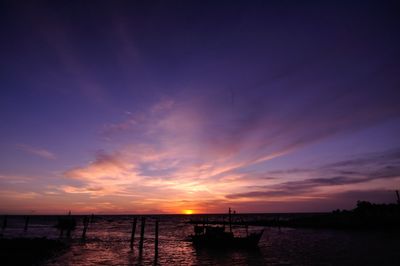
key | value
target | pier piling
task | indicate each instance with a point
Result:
(141, 236)
(69, 228)
(156, 242)
(230, 220)
(26, 223)
(4, 223)
(133, 232)
(85, 226)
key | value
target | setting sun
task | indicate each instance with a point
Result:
(188, 212)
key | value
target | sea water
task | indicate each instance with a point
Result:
(108, 237)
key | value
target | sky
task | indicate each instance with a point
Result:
(170, 106)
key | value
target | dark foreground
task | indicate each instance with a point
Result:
(29, 251)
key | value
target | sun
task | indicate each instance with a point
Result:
(188, 212)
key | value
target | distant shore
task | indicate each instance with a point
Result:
(366, 216)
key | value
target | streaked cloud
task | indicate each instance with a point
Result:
(343, 174)
(41, 152)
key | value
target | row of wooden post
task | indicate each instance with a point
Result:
(133, 232)
(86, 224)
(5, 221)
(132, 240)
(141, 240)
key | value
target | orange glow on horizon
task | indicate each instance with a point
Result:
(188, 212)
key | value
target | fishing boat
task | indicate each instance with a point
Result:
(218, 237)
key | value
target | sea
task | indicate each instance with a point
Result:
(108, 243)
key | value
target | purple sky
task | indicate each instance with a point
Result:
(162, 107)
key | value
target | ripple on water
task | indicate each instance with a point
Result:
(107, 243)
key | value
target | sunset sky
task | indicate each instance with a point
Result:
(164, 107)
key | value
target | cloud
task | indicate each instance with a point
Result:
(371, 158)
(19, 195)
(321, 202)
(7, 179)
(187, 148)
(107, 174)
(37, 151)
(106, 166)
(112, 129)
(365, 169)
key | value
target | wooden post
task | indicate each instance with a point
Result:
(4, 223)
(141, 236)
(85, 226)
(279, 223)
(69, 228)
(156, 242)
(3, 227)
(133, 232)
(398, 197)
(92, 218)
(230, 220)
(26, 223)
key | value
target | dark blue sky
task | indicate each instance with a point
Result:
(164, 106)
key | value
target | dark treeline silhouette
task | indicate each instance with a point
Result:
(366, 216)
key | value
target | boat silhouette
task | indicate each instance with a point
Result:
(217, 237)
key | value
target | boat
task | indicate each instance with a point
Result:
(217, 237)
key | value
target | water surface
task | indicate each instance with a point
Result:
(107, 243)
